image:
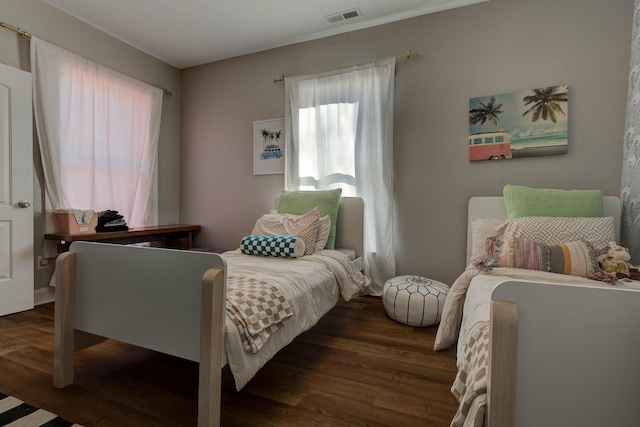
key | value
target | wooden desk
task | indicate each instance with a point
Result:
(179, 236)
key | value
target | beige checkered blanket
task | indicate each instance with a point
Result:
(311, 286)
(256, 309)
(470, 385)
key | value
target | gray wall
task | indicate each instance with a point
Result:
(490, 48)
(51, 25)
(494, 47)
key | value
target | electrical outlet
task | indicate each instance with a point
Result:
(43, 263)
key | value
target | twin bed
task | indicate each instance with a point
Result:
(232, 309)
(536, 347)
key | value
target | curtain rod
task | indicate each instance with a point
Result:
(407, 54)
(16, 29)
(26, 34)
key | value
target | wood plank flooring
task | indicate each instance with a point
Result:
(356, 367)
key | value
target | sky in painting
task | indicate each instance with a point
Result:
(513, 122)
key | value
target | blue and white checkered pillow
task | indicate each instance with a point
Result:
(280, 246)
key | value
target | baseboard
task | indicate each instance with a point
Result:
(44, 295)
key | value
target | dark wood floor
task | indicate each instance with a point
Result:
(356, 367)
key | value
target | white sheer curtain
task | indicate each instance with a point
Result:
(339, 134)
(630, 191)
(98, 131)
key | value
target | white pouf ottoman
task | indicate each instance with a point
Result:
(414, 300)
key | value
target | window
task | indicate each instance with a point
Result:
(327, 156)
(339, 134)
(98, 133)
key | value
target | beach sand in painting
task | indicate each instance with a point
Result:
(549, 148)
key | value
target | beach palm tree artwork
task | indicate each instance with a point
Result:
(269, 136)
(526, 123)
(268, 154)
(490, 111)
(547, 103)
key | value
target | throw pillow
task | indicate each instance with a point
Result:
(303, 226)
(523, 201)
(324, 228)
(572, 258)
(327, 202)
(482, 228)
(278, 246)
(552, 231)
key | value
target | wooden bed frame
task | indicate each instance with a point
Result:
(583, 373)
(125, 293)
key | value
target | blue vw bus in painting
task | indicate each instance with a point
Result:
(271, 151)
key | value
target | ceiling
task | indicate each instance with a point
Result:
(186, 33)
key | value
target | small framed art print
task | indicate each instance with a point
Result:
(268, 147)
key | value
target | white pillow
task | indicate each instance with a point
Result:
(324, 228)
(302, 226)
(481, 228)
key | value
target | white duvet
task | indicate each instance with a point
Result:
(312, 286)
(467, 310)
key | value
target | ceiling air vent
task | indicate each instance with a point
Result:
(337, 17)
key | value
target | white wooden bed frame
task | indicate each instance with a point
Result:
(165, 300)
(584, 373)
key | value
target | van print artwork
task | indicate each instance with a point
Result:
(268, 147)
(527, 123)
(272, 149)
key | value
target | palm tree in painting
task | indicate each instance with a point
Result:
(546, 103)
(267, 135)
(486, 112)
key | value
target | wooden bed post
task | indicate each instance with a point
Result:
(211, 345)
(67, 339)
(503, 364)
(65, 314)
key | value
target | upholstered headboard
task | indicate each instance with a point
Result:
(493, 207)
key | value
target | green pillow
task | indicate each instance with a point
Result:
(523, 201)
(301, 202)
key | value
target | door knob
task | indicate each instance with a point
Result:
(23, 204)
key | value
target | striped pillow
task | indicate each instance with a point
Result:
(303, 226)
(573, 258)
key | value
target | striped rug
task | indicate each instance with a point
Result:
(15, 413)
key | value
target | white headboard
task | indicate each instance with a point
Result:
(493, 207)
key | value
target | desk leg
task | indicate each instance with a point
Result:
(184, 241)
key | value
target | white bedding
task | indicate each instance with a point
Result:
(312, 286)
(467, 310)
(476, 307)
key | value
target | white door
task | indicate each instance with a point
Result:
(16, 191)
